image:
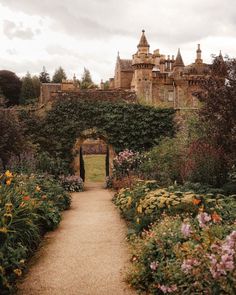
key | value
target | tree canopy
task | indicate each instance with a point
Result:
(59, 75)
(44, 76)
(86, 80)
(10, 84)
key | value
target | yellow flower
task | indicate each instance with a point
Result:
(18, 272)
(8, 207)
(22, 261)
(8, 174)
(38, 189)
(137, 220)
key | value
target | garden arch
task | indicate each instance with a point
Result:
(92, 133)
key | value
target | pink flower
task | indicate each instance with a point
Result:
(154, 265)
(188, 264)
(203, 218)
(186, 229)
(166, 289)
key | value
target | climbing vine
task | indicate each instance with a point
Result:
(132, 126)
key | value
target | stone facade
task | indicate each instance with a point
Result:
(160, 80)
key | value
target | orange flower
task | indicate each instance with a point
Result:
(26, 198)
(196, 201)
(216, 217)
(8, 182)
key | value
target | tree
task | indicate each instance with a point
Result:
(12, 141)
(2, 98)
(44, 76)
(36, 84)
(27, 89)
(219, 106)
(59, 75)
(86, 80)
(10, 84)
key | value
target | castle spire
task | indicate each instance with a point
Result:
(143, 45)
(199, 54)
(178, 61)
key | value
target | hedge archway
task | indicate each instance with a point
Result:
(125, 125)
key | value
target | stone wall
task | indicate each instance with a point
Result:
(103, 95)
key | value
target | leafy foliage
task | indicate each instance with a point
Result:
(30, 205)
(86, 80)
(12, 141)
(10, 84)
(130, 126)
(27, 89)
(44, 76)
(59, 75)
(219, 105)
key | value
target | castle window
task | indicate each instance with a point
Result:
(170, 96)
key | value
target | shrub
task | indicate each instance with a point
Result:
(163, 162)
(205, 164)
(190, 256)
(143, 204)
(72, 183)
(125, 164)
(30, 205)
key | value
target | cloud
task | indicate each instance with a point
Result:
(173, 22)
(13, 30)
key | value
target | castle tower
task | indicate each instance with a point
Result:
(143, 64)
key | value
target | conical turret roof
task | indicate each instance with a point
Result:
(143, 40)
(178, 61)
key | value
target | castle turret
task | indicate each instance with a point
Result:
(199, 55)
(143, 64)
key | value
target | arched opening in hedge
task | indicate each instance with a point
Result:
(78, 162)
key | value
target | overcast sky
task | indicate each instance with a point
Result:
(75, 34)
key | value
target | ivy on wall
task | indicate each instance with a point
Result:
(133, 126)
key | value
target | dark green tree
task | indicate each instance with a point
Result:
(12, 141)
(10, 84)
(86, 80)
(44, 76)
(27, 89)
(59, 75)
(36, 84)
(2, 98)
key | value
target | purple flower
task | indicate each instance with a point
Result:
(203, 218)
(186, 229)
(154, 265)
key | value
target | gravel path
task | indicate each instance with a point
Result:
(85, 255)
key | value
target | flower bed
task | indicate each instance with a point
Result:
(183, 242)
(29, 206)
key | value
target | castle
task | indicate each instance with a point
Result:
(160, 80)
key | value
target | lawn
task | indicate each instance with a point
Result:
(94, 168)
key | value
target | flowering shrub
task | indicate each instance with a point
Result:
(72, 183)
(183, 242)
(125, 163)
(185, 257)
(29, 206)
(143, 204)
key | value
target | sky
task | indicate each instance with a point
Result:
(75, 34)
